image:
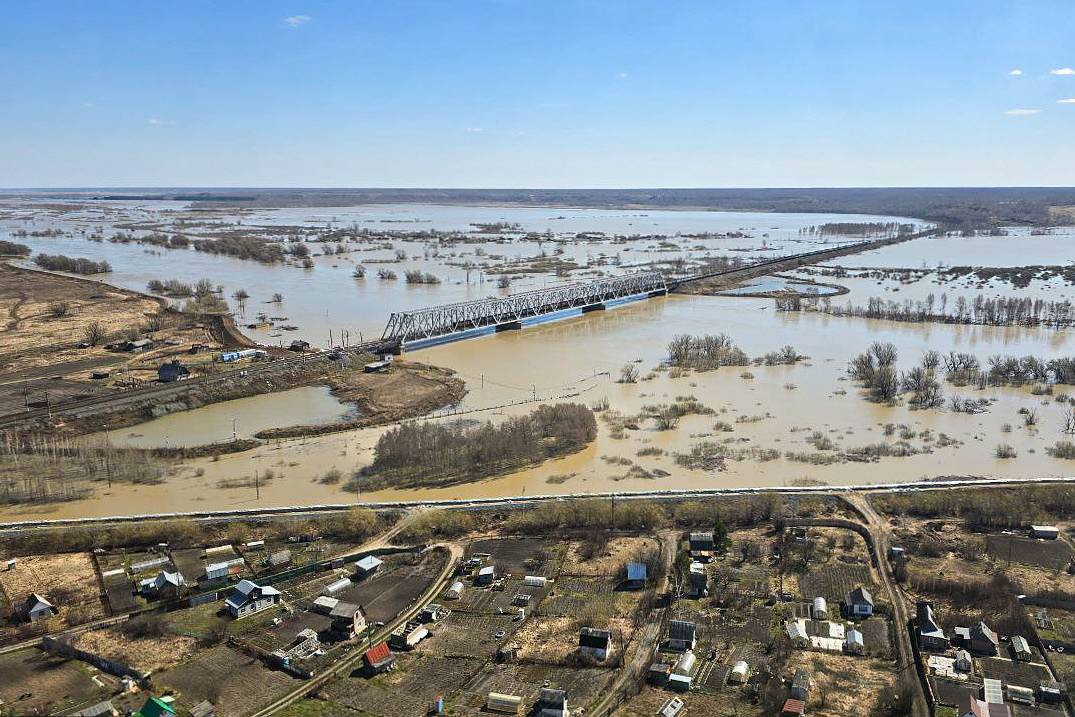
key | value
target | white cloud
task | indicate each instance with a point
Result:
(1022, 112)
(297, 20)
(1068, 101)
(87, 104)
(1062, 71)
(159, 122)
(473, 130)
(1016, 72)
(622, 75)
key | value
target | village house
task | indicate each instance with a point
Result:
(165, 586)
(981, 708)
(1021, 649)
(681, 635)
(347, 620)
(859, 603)
(595, 643)
(367, 566)
(155, 707)
(248, 598)
(979, 639)
(699, 581)
(172, 371)
(930, 636)
(485, 576)
(38, 608)
(378, 658)
(407, 637)
(551, 703)
(702, 544)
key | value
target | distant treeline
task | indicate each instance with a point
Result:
(10, 248)
(865, 229)
(957, 208)
(71, 264)
(1001, 311)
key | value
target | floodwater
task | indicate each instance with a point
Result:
(579, 359)
(239, 418)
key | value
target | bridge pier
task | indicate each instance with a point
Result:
(593, 307)
(510, 326)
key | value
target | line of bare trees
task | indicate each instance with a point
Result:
(999, 311)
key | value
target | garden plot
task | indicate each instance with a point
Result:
(1021, 674)
(235, 682)
(372, 698)
(845, 686)
(426, 676)
(572, 596)
(748, 581)
(650, 700)
(555, 640)
(35, 683)
(68, 581)
(833, 582)
(145, 653)
(582, 685)
(1051, 554)
(486, 600)
(387, 594)
(469, 635)
(609, 561)
(520, 556)
(876, 635)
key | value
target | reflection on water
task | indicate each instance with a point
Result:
(241, 418)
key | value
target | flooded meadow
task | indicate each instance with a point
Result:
(754, 425)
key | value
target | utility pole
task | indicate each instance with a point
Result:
(257, 486)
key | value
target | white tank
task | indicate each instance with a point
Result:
(821, 609)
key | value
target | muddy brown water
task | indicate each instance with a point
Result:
(578, 359)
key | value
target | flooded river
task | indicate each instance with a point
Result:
(772, 409)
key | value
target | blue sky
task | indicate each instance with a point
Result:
(537, 93)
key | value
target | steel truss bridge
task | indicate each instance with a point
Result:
(508, 312)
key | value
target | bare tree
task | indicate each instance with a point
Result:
(629, 373)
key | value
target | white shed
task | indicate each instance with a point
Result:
(820, 609)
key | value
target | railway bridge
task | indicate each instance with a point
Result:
(423, 327)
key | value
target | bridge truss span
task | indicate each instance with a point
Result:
(510, 310)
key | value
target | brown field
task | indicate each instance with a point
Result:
(149, 654)
(727, 702)
(34, 682)
(520, 556)
(67, 580)
(1050, 554)
(844, 686)
(25, 300)
(236, 683)
(618, 551)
